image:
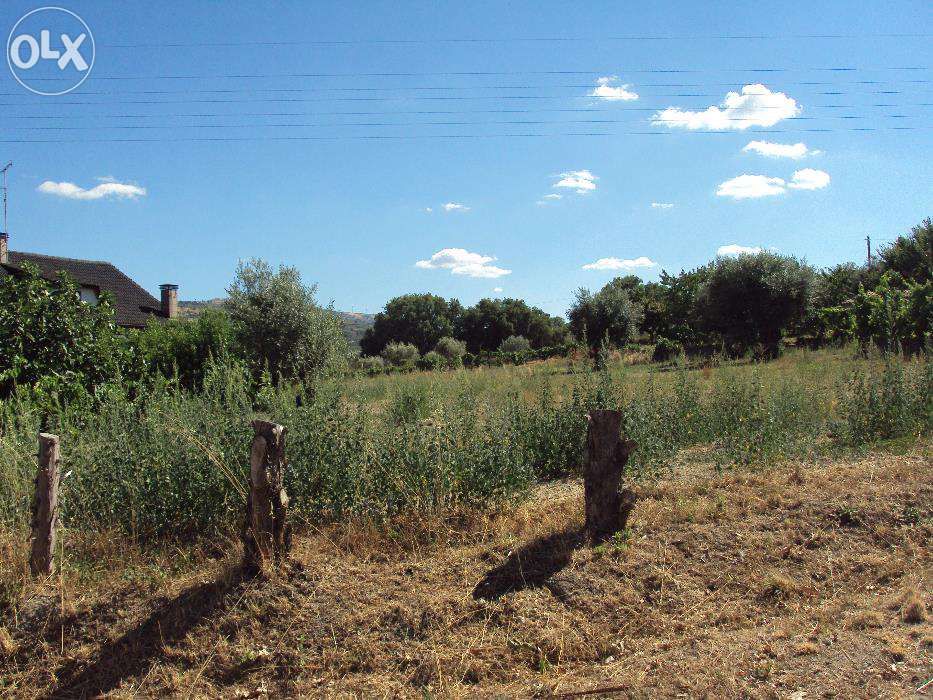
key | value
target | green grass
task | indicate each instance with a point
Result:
(172, 463)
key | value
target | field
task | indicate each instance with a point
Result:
(780, 543)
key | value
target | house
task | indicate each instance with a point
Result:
(133, 305)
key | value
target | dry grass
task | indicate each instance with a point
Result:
(745, 584)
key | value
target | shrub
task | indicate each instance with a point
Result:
(432, 361)
(184, 347)
(401, 354)
(515, 344)
(372, 365)
(281, 327)
(666, 350)
(452, 350)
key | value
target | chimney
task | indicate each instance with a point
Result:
(169, 300)
(4, 248)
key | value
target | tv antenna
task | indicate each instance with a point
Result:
(5, 231)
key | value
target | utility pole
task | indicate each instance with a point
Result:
(5, 231)
(868, 245)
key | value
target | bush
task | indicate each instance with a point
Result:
(401, 354)
(452, 350)
(515, 344)
(281, 327)
(432, 361)
(372, 365)
(184, 347)
(666, 350)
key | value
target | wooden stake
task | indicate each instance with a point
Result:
(607, 509)
(266, 535)
(45, 506)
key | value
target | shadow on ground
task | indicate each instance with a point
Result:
(532, 565)
(135, 651)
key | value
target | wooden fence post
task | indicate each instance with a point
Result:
(607, 509)
(45, 506)
(266, 534)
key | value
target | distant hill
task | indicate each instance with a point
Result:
(354, 322)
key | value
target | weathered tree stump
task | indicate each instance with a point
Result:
(45, 506)
(266, 534)
(607, 509)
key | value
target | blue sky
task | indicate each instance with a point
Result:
(351, 212)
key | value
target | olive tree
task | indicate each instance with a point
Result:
(280, 325)
(752, 299)
(610, 316)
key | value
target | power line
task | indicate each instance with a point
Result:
(451, 88)
(502, 40)
(392, 137)
(413, 74)
(254, 125)
(428, 112)
(430, 98)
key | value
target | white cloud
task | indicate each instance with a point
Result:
(751, 187)
(755, 106)
(608, 89)
(428, 209)
(548, 199)
(108, 188)
(454, 206)
(662, 205)
(582, 181)
(552, 196)
(809, 179)
(796, 151)
(497, 290)
(735, 249)
(462, 262)
(617, 264)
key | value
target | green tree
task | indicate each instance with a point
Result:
(607, 316)
(54, 342)
(674, 306)
(419, 319)
(894, 315)
(911, 256)
(752, 299)
(838, 285)
(280, 326)
(485, 325)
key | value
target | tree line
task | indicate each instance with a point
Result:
(59, 347)
(736, 305)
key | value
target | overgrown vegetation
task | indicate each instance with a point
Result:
(172, 460)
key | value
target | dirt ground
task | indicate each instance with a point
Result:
(802, 580)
